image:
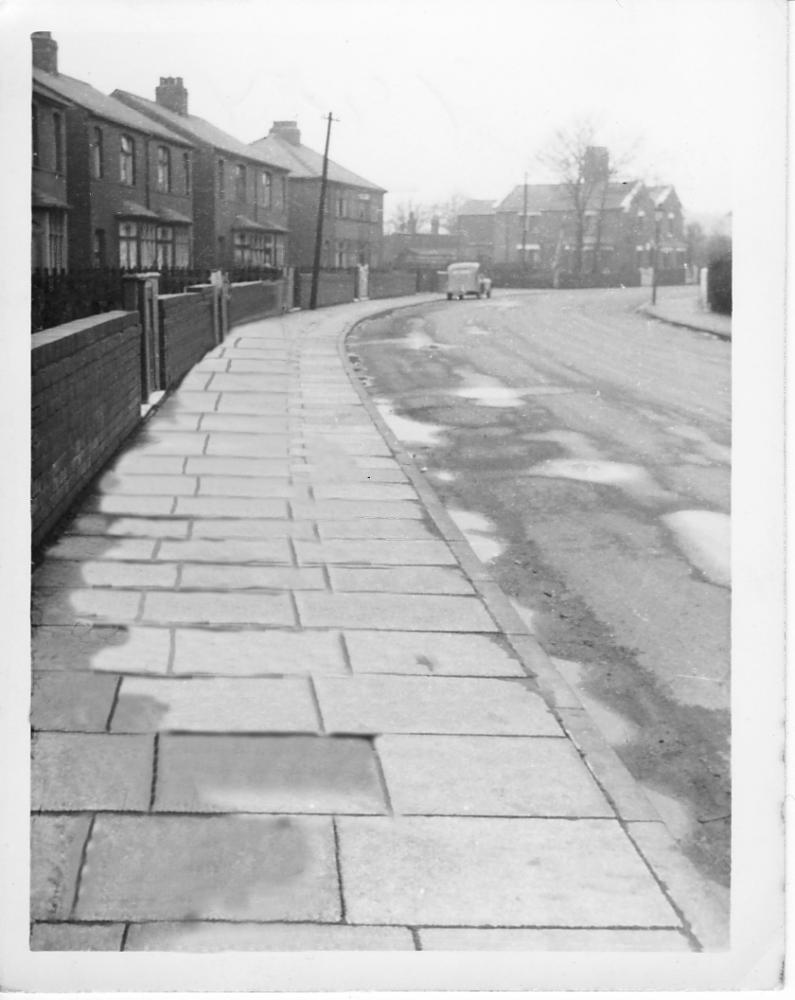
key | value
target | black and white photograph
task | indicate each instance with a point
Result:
(394, 558)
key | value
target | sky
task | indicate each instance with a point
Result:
(440, 97)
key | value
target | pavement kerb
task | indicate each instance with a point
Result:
(652, 313)
(702, 910)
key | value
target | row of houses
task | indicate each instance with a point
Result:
(620, 228)
(123, 181)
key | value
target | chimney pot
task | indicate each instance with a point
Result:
(287, 130)
(171, 94)
(45, 51)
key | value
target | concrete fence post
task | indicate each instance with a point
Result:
(140, 294)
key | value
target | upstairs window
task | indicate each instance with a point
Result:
(57, 122)
(163, 168)
(186, 172)
(97, 153)
(266, 188)
(127, 160)
(221, 180)
(240, 182)
(34, 127)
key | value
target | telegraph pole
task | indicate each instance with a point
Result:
(524, 226)
(320, 210)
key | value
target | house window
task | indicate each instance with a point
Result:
(127, 161)
(97, 153)
(163, 168)
(57, 241)
(128, 244)
(99, 249)
(148, 254)
(221, 183)
(266, 188)
(341, 207)
(165, 246)
(182, 247)
(34, 128)
(58, 129)
(186, 171)
(340, 256)
(240, 182)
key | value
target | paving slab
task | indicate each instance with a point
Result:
(252, 652)
(229, 507)
(217, 608)
(210, 576)
(220, 936)
(224, 550)
(336, 510)
(63, 573)
(252, 527)
(120, 504)
(425, 612)
(136, 462)
(191, 401)
(464, 705)
(164, 442)
(76, 937)
(145, 527)
(210, 868)
(376, 528)
(147, 485)
(478, 776)
(252, 382)
(74, 702)
(496, 872)
(91, 547)
(116, 648)
(254, 445)
(56, 851)
(268, 774)
(245, 486)
(218, 704)
(89, 771)
(441, 653)
(550, 939)
(376, 552)
(364, 491)
(265, 403)
(205, 465)
(245, 423)
(400, 580)
(70, 605)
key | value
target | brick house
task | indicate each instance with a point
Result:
(673, 247)
(240, 194)
(475, 224)
(353, 219)
(49, 216)
(127, 179)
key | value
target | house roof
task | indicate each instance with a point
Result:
(83, 94)
(198, 129)
(132, 210)
(477, 206)
(305, 164)
(555, 197)
(243, 222)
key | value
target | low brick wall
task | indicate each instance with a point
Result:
(384, 284)
(86, 398)
(255, 300)
(334, 287)
(186, 333)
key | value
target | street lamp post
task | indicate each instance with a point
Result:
(658, 215)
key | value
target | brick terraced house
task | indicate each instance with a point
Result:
(240, 193)
(353, 221)
(127, 179)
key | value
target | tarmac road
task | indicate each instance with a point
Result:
(585, 449)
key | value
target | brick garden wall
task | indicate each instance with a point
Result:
(383, 284)
(256, 300)
(334, 287)
(86, 396)
(186, 333)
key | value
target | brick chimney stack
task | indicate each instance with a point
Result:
(45, 51)
(287, 130)
(597, 163)
(172, 94)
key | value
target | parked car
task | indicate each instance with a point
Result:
(467, 278)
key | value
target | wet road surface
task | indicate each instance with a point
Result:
(584, 450)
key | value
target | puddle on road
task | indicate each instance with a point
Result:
(710, 449)
(704, 536)
(444, 476)
(411, 431)
(616, 729)
(479, 532)
(596, 471)
(476, 331)
(491, 395)
(579, 445)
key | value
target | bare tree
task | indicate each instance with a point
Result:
(584, 169)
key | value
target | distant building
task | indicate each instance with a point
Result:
(354, 210)
(672, 241)
(126, 179)
(475, 225)
(240, 195)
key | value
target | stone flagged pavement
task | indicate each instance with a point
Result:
(274, 707)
